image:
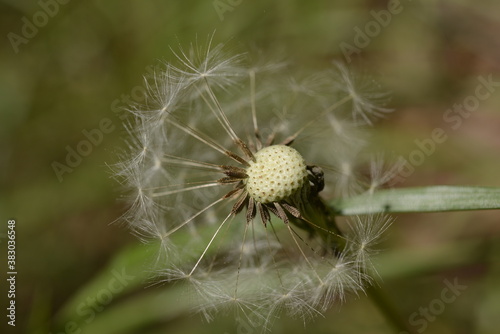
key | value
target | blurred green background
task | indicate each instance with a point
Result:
(67, 76)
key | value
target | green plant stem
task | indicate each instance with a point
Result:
(388, 309)
(419, 199)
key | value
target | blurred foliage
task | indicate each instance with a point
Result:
(78, 67)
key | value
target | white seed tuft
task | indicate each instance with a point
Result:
(278, 172)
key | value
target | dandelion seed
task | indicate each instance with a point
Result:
(231, 166)
(380, 173)
(367, 100)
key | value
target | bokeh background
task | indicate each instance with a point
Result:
(79, 272)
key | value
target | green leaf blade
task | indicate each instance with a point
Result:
(420, 199)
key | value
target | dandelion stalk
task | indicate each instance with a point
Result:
(388, 309)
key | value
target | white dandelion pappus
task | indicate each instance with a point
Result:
(230, 165)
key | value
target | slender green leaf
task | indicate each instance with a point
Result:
(420, 199)
(152, 306)
(129, 270)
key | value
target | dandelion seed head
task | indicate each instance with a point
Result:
(233, 179)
